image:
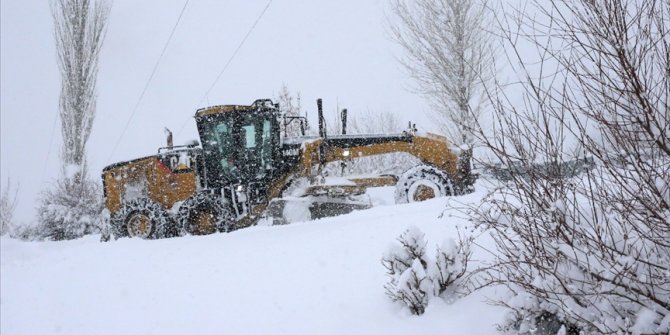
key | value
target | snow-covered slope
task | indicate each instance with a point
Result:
(317, 277)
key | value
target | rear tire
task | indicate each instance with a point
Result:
(421, 183)
(141, 218)
(205, 214)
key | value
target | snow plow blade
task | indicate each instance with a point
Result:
(298, 209)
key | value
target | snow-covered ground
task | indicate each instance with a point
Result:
(317, 277)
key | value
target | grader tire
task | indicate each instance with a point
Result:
(422, 183)
(141, 218)
(205, 214)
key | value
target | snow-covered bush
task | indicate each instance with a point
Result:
(25, 232)
(450, 264)
(71, 209)
(414, 277)
(406, 266)
(591, 257)
(530, 317)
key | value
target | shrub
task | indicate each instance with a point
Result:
(71, 209)
(414, 277)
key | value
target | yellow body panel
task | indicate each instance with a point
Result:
(221, 109)
(431, 150)
(148, 177)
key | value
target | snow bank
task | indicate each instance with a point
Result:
(317, 277)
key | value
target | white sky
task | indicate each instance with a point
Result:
(337, 50)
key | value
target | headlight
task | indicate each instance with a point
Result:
(241, 195)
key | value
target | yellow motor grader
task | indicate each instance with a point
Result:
(243, 166)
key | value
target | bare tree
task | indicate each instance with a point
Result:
(589, 253)
(71, 208)
(79, 27)
(290, 107)
(448, 54)
(7, 206)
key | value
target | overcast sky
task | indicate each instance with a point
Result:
(337, 50)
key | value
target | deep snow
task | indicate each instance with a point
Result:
(317, 277)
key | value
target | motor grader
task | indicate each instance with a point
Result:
(241, 169)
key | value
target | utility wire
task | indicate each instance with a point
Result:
(146, 86)
(51, 140)
(225, 67)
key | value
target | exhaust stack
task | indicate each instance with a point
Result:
(344, 121)
(319, 108)
(168, 134)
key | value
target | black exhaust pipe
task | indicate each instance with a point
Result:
(344, 121)
(319, 107)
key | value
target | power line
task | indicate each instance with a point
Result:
(225, 67)
(235, 52)
(146, 86)
(51, 139)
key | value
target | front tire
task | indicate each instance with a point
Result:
(141, 218)
(422, 183)
(205, 214)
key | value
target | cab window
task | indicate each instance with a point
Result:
(249, 132)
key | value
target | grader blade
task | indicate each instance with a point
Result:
(297, 209)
